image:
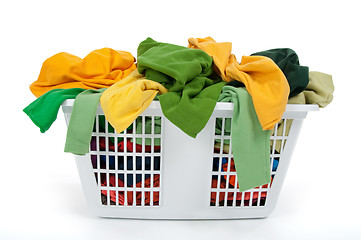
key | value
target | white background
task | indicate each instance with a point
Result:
(40, 193)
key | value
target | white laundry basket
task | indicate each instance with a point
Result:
(153, 170)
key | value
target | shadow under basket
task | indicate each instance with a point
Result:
(153, 170)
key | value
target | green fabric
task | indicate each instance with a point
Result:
(189, 77)
(44, 110)
(250, 144)
(287, 60)
(82, 121)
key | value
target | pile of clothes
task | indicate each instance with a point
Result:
(188, 82)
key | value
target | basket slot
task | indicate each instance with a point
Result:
(127, 166)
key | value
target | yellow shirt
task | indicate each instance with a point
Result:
(99, 69)
(123, 102)
(263, 79)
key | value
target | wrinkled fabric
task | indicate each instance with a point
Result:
(44, 110)
(318, 91)
(188, 75)
(99, 69)
(263, 79)
(123, 102)
(287, 60)
(220, 52)
(82, 121)
(250, 143)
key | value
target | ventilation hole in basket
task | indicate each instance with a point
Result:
(227, 127)
(279, 145)
(216, 145)
(111, 162)
(147, 163)
(139, 125)
(138, 198)
(101, 123)
(148, 125)
(238, 196)
(138, 163)
(148, 142)
(214, 181)
(245, 200)
(221, 198)
(226, 143)
(213, 199)
(103, 179)
(121, 198)
(157, 145)
(120, 180)
(263, 199)
(155, 198)
(223, 181)
(111, 146)
(111, 179)
(102, 162)
(129, 163)
(230, 199)
(157, 163)
(129, 179)
(139, 178)
(218, 127)
(156, 180)
(147, 178)
(129, 195)
(232, 179)
(112, 197)
(274, 163)
(253, 199)
(139, 143)
(101, 145)
(215, 164)
(120, 163)
(146, 198)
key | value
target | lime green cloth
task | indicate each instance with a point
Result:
(44, 110)
(250, 144)
(189, 77)
(82, 121)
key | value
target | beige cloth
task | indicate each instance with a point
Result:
(318, 91)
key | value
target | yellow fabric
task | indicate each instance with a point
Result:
(220, 52)
(263, 79)
(99, 69)
(124, 101)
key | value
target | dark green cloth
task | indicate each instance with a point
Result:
(188, 75)
(287, 60)
(44, 110)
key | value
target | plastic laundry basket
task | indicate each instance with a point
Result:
(153, 170)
